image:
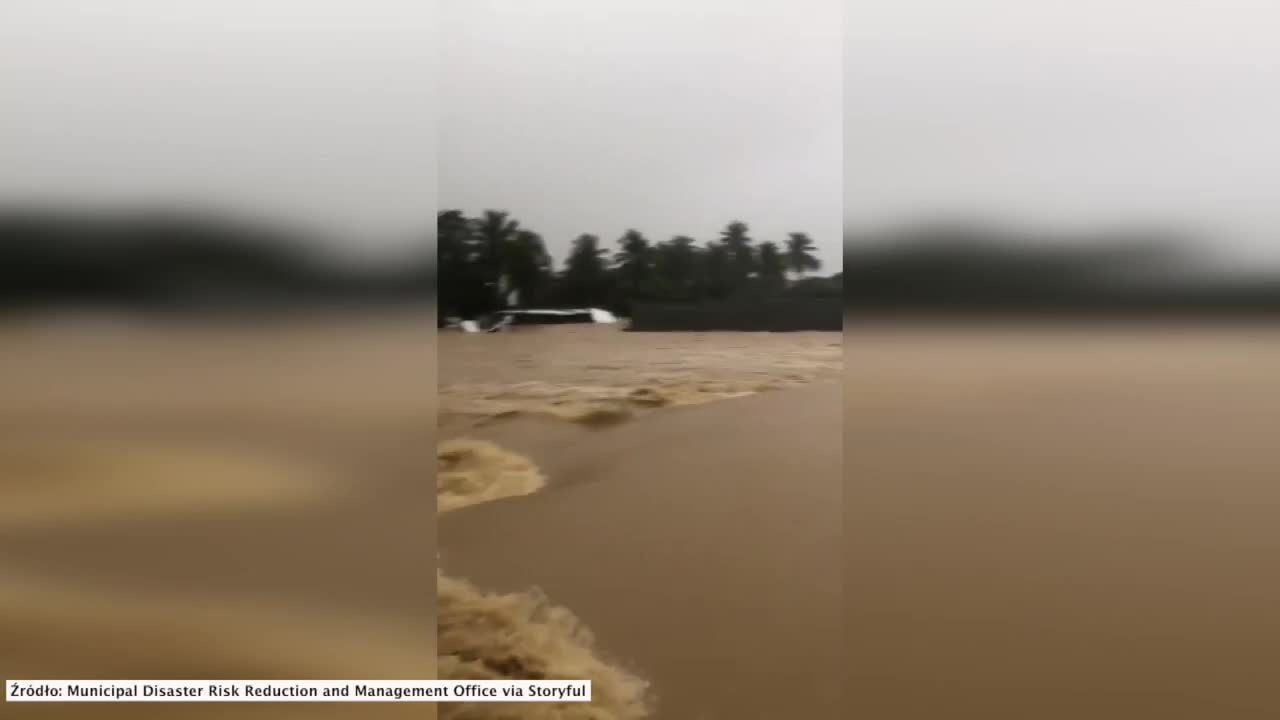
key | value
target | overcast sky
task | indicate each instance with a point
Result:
(669, 116)
(1068, 114)
(318, 112)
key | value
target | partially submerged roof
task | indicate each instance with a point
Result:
(596, 314)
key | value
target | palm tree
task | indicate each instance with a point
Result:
(454, 256)
(494, 231)
(585, 273)
(526, 264)
(799, 255)
(715, 272)
(741, 255)
(454, 246)
(634, 263)
(773, 269)
(675, 267)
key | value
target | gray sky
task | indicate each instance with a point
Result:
(315, 111)
(673, 116)
(1068, 114)
(670, 116)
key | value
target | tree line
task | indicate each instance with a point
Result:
(974, 269)
(184, 260)
(490, 261)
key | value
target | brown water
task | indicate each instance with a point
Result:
(215, 502)
(1062, 524)
(599, 375)
(700, 545)
(1037, 523)
(1047, 524)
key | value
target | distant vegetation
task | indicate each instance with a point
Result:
(171, 260)
(483, 259)
(952, 268)
(184, 261)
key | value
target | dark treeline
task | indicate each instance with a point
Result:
(182, 261)
(483, 259)
(951, 268)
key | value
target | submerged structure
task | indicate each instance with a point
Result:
(504, 319)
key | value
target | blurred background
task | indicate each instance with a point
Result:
(216, 278)
(1060, 340)
(216, 361)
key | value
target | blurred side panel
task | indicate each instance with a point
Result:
(216, 345)
(1061, 337)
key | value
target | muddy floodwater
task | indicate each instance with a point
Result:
(1062, 523)
(229, 501)
(676, 494)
